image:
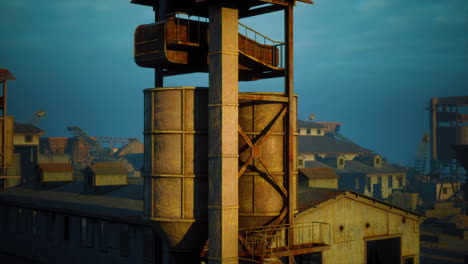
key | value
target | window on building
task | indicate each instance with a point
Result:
(87, 234)
(409, 260)
(34, 222)
(103, 236)
(124, 241)
(300, 162)
(309, 258)
(400, 180)
(445, 190)
(379, 180)
(28, 139)
(148, 247)
(83, 231)
(319, 131)
(5, 214)
(390, 181)
(309, 131)
(377, 161)
(66, 227)
(50, 226)
(20, 220)
(341, 162)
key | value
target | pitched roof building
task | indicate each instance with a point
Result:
(356, 227)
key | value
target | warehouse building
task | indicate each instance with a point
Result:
(50, 225)
(359, 229)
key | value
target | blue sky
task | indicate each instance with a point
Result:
(371, 64)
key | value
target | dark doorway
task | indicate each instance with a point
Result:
(311, 258)
(384, 251)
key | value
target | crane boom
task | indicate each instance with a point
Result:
(102, 153)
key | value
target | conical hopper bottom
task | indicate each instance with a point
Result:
(184, 236)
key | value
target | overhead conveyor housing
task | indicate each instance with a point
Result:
(180, 45)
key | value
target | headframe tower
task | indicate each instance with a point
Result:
(187, 195)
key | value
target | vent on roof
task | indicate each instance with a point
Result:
(340, 162)
(377, 161)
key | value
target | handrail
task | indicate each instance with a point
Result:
(270, 241)
(258, 33)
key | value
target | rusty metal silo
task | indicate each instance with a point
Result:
(263, 181)
(176, 165)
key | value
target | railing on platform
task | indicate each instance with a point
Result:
(268, 243)
(260, 46)
(185, 31)
(188, 28)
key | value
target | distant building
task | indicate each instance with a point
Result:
(440, 191)
(53, 173)
(308, 128)
(104, 176)
(26, 144)
(359, 168)
(318, 178)
(378, 180)
(311, 147)
(358, 229)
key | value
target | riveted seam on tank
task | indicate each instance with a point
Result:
(224, 155)
(218, 207)
(217, 105)
(175, 132)
(224, 259)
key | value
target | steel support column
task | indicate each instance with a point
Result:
(160, 13)
(223, 138)
(4, 134)
(290, 121)
(434, 166)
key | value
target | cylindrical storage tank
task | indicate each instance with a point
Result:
(176, 165)
(263, 184)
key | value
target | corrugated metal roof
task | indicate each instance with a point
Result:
(354, 166)
(309, 197)
(308, 124)
(27, 128)
(125, 201)
(314, 164)
(6, 75)
(55, 167)
(319, 173)
(105, 168)
(326, 144)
